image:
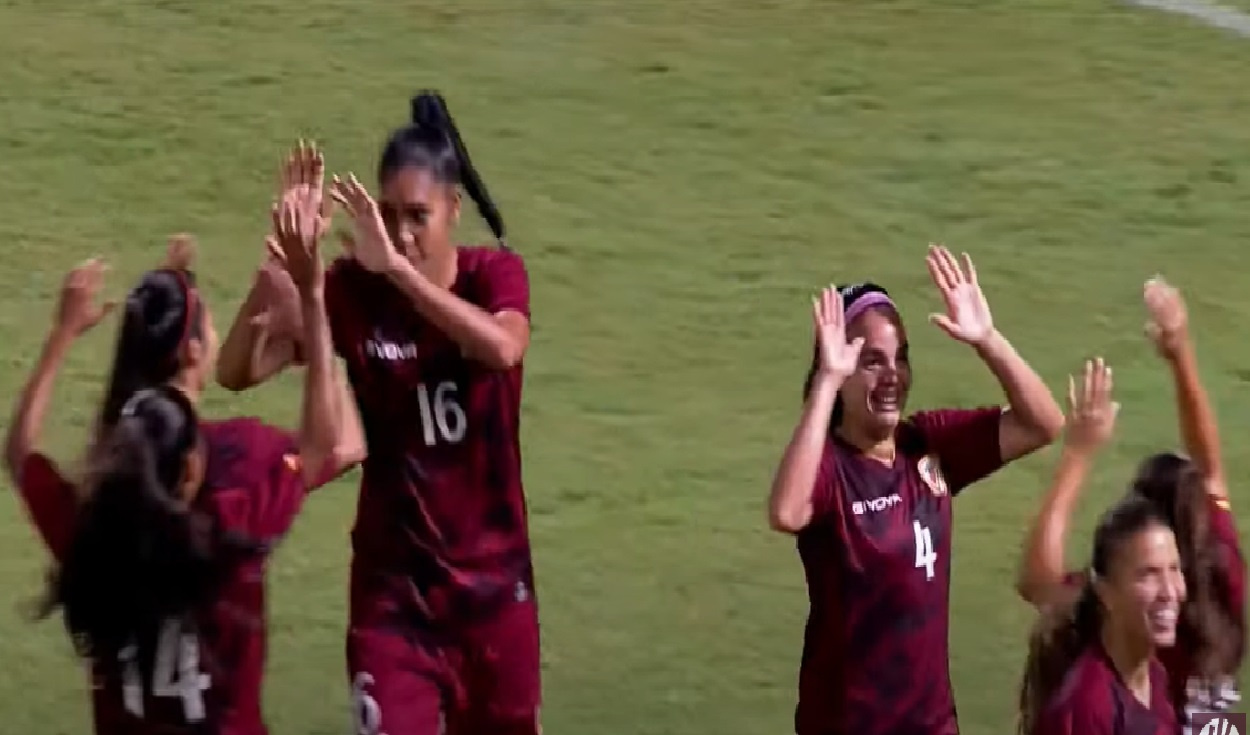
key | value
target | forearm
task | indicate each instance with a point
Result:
(478, 333)
(1199, 429)
(1042, 566)
(251, 353)
(790, 498)
(32, 405)
(322, 403)
(1029, 398)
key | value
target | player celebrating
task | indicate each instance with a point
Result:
(869, 497)
(161, 551)
(1092, 665)
(1192, 497)
(444, 626)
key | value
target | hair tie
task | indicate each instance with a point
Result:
(131, 406)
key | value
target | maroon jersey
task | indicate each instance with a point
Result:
(877, 559)
(205, 674)
(441, 530)
(1189, 693)
(1093, 701)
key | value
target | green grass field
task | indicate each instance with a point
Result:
(680, 177)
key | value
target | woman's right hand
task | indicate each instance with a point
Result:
(838, 358)
(297, 224)
(79, 308)
(1091, 412)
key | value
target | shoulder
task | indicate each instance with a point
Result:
(240, 447)
(947, 420)
(484, 258)
(1086, 688)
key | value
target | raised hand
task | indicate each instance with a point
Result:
(1091, 411)
(1168, 323)
(838, 358)
(180, 253)
(304, 171)
(371, 244)
(297, 228)
(967, 316)
(79, 308)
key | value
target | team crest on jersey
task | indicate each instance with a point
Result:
(931, 473)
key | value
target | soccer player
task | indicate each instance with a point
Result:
(444, 621)
(161, 550)
(1092, 666)
(1192, 497)
(868, 495)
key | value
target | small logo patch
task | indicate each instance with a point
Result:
(1218, 723)
(292, 462)
(931, 474)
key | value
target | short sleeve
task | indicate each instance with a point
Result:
(505, 284)
(263, 462)
(50, 500)
(966, 442)
(341, 310)
(1223, 530)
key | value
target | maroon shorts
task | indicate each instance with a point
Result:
(483, 679)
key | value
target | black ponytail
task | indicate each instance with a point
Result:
(161, 313)
(139, 554)
(432, 142)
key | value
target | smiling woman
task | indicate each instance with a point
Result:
(868, 494)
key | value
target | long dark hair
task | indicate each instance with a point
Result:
(1064, 632)
(162, 312)
(850, 294)
(139, 555)
(432, 143)
(1209, 629)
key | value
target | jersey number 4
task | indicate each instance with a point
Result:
(175, 673)
(442, 419)
(926, 555)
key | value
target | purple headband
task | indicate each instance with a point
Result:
(866, 302)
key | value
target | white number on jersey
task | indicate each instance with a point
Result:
(175, 673)
(442, 419)
(365, 711)
(926, 555)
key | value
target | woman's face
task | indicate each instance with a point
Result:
(1144, 587)
(875, 395)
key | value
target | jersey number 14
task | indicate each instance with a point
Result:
(175, 673)
(926, 555)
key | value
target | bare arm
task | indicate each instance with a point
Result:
(26, 426)
(263, 339)
(790, 499)
(1042, 566)
(1091, 422)
(498, 341)
(1199, 429)
(1168, 328)
(1033, 418)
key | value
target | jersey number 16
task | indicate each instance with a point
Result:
(442, 419)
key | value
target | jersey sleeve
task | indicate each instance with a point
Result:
(506, 284)
(965, 441)
(1223, 530)
(265, 462)
(50, 500)
(341, 311)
